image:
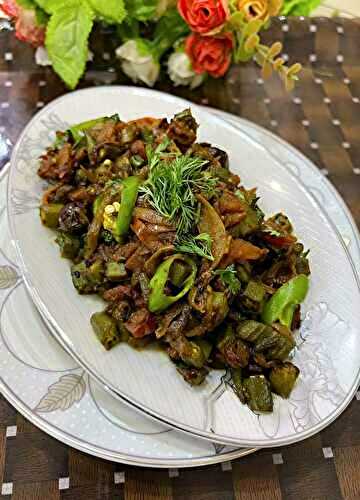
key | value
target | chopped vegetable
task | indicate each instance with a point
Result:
(115, 271)
(69, 245)
(78, 131)
(105, 329)
(130, 188)
(192, 375)
(281, 306)
(237, 380)
(87, 279)
(158, 300)
(258, 393)
(158, 226)
(95, 226)
(282, 379)
(275, 341)
(49, 214)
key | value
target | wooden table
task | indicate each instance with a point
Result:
(322, 119)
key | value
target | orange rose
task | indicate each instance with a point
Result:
(210, 54)
(260, 9)
(204, 16)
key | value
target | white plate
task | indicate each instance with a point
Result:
(48, 387)
(148, 380)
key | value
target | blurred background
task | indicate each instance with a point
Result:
(345, 8)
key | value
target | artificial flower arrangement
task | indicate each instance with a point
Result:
(193, 39)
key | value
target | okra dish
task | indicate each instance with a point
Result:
(180, 251)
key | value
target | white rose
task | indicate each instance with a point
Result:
(181, 72)
(137, 64)
(42, 57)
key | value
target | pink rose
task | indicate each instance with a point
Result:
(26, 27)
(204, 16)
(210, 54)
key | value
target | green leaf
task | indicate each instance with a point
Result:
(128, 29)
(142, 10)
(252, 27)
(41, 17)
(67, 40)
(299, 7)
(110, 10)
(237, 20)
(50, 6)
(240, 54)
(170, 28)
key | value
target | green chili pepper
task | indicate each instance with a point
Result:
(77, 131)
(283, 303)
(158, 300)
(130, 189)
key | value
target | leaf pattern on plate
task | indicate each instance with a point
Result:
(61, 395)
(8, 277)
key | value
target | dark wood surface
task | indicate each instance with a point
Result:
(322, 119)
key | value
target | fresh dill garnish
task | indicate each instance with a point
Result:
(199, 245)
(172, 185)
(229, 279)
(154, 155)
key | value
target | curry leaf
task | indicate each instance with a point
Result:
(67, 40)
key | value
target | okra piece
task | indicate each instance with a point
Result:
(87, 279)
(258, 394)
(49, 214)
(193, 355)
(205, 346)
(250, 330)
(105, 329)
(283, 378)
(69, 245)
(237, 382)
(284, 345)
(115, 271)
(191, 375)
(255, 291)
